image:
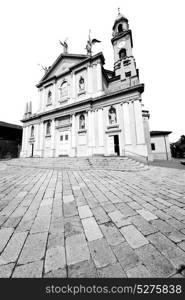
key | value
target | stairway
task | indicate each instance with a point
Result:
(80, 163)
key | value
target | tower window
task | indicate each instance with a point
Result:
(120, 28)
(112, 116)
(122, 53)
(153, 146)
(128, 74)
(82, 122)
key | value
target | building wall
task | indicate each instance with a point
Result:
(97, 136)
(162, 148)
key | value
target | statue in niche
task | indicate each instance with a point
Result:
(81, 84)
(82, 122)
(112, 116)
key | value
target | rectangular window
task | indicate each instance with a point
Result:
(66, 137)
(153, 146)
(127, 74)
(61, 137)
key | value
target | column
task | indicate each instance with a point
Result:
(139, 122)
(73, 132)
(100, 127)
(73, 87)
(126, 118)
(53, 138)
(93, 128)
(99, 77)
(42, 136)
(89, 80)
(132, 123)
(36, 134)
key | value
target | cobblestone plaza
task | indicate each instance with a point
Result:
(96, 222)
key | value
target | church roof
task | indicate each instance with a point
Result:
(159, 132)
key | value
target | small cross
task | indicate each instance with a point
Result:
(118, 10)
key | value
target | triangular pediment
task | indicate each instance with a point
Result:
(63, 64)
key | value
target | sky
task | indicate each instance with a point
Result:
(30, 32)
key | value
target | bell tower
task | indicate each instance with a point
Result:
(124, 62)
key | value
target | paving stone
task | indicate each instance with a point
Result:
(176, 236)
(60, 273)
(55, 259)
(155, 262)
(84, 269)
(139, 271)
(147, 214)
(5, 234)
(162, 226)
(118, 218)
(162, 215)
(68, 198)
(111, 271)
(100, 215)
(31, 270)
(13, 248)
(126, 210)
(34, 248)
(144, 226)
(41, 224)
(101, 253)
(72, 225)
(134, 205)
(126, 256)
(133, 236)
(76, 249)
(91, 228)
(176, 224)
(182, 245)
(55, 238)
(112, 234)
(6, 270)
(70, 209)
(84, 211)
(109, 207)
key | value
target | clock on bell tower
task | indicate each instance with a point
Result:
(124, 63)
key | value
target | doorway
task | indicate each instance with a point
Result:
(116, 144)
(32, 149)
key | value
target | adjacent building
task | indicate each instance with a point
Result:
(85, 109)
(10, 140)
(160, 144)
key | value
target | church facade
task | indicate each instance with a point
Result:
(85, 109)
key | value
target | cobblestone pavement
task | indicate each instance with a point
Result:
(93, 223)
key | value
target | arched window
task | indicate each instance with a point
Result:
(32, 131)
(49, 99)
(120, 28)
(82, 122)
(48, 128)
(81, 84)
(122, 53)
(112, 116)
(63, 90)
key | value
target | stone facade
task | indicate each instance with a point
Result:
(86, 110)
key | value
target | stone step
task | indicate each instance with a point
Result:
(68, 163)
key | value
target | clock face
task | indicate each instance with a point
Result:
(121, 44)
